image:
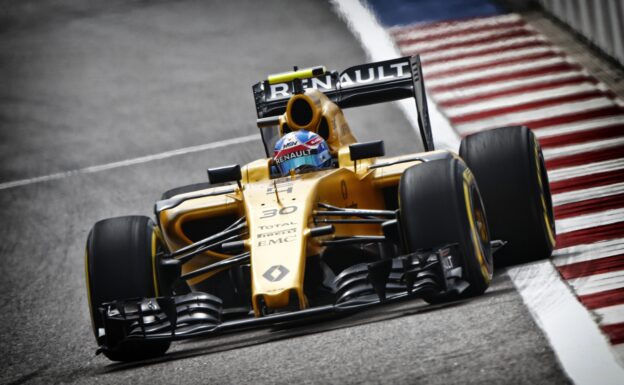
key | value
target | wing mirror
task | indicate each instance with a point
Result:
(367, 150)
(224, 174)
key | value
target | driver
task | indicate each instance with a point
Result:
(301, 151)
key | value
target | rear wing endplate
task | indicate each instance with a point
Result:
(361, 85)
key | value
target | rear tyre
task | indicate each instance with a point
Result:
(509, 167)
(120, 265)
(440, 204)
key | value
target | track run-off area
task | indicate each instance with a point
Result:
(106, 107)
(498, 70)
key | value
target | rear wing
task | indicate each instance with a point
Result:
(361, 85)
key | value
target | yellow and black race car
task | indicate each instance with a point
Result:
(256, 246)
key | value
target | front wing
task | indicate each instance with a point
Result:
(425, 274)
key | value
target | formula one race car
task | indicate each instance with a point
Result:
(259, 246)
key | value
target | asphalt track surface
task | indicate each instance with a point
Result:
(82, 85)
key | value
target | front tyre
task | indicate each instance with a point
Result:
(440, 204)
(120, 264)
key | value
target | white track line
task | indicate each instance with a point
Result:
(130, 162)
(534, 114)
(379, 46)
(525, 97)
(610, 314)
(484, 89)
(587, 221)
(585, 169)
(596, 145)
(586, 125)
(582, 349)
(588, 252)
(588, 193)
(598, 283)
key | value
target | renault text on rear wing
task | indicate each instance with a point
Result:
(356, 86)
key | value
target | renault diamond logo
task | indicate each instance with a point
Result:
(275, 273)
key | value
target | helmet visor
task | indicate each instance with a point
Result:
(294, 163)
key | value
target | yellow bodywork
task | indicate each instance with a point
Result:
(280, 211)
(299, 74)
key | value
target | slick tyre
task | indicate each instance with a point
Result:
(509, 167)
(120, 265)
(440, 204)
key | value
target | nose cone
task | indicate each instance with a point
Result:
(278, 224)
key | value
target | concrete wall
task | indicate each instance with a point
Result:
(600, 21)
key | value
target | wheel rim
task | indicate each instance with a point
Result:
(481, 226)
(544, 191)
(155, 248)
(89, 299)
(479, 234)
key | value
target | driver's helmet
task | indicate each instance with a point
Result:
(301, 150)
